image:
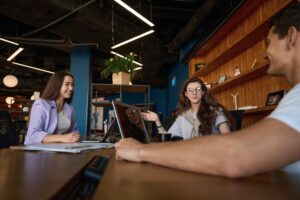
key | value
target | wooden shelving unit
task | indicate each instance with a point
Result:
(242, 78)
(264, 109)
(102, 104)
(252, 38)
(109, 92)
(242, 41)
(259, 33)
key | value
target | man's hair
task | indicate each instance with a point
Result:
(288, 17)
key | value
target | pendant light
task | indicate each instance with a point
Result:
(10, 81)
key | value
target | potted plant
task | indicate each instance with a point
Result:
(122, 69)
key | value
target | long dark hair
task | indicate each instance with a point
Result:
(208, 109)
(52, 89)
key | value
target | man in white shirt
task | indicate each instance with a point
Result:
(270, 144)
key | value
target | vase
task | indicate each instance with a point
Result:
(121, 78)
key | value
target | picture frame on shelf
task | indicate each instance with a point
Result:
(200, 65)
(208, 85)
(222, 79)
(274, 97)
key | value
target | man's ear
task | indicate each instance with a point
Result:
(292, 37)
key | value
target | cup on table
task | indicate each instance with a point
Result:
(164, 137)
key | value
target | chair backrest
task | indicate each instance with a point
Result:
(238, 118)
(8, 135)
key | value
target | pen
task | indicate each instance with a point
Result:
(78, 147)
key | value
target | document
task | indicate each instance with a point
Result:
(66, 147)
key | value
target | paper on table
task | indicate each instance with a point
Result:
(68, 147)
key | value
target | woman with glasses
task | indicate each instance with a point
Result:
(198, 113)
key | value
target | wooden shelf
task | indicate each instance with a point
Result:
(102, 104)
(259, 33)
(249, 40)
(240, 15)
(244, 77)
(260, 110)
(115, 89)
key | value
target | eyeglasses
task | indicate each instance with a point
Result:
(192, 91)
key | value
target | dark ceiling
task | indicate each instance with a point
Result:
(48, 30)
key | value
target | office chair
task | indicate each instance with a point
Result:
(8, 135)
(238, 118)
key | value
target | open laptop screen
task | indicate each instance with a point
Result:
(130, 122)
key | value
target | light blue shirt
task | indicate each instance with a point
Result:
(182, 128)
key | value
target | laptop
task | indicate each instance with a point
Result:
(110, 130)
(130, 121)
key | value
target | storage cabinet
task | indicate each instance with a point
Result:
(240, 42)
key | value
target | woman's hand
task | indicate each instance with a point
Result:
(150, 116)
(71, 137)
(128, 149)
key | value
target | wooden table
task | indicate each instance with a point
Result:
(45, 175)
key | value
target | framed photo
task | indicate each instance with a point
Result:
(199, 66)
(274, 97)
(222, 79)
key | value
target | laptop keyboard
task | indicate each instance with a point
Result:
(95, 170)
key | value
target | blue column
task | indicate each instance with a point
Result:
(81, 70)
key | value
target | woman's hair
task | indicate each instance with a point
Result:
(52, 89)
(208, 110)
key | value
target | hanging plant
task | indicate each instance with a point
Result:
(118, 64)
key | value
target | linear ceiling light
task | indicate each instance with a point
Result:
(117, 54)
(27, 66)
(134, 12)
(132, 39)
(15, 54)
(8, 41)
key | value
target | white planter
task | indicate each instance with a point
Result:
(121, 78)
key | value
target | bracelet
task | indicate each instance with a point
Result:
(159, 126)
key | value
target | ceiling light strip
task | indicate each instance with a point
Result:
(27, 66)
(19, 50)
(124, 5)
(117, 54)
(8, 41)
(132, 39)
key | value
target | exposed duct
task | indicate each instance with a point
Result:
(193, 25)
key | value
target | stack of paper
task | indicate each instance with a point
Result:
(67, 147)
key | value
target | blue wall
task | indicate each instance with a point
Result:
(159, 97)
(181, 74)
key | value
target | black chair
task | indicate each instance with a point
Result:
(238, 118)
(21, 129)
(8, 135)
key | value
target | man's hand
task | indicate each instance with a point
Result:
(128, 149)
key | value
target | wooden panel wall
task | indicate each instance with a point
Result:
(253, 92)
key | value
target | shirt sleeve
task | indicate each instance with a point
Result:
(288, 110)
(175, 129)
(36, 133)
